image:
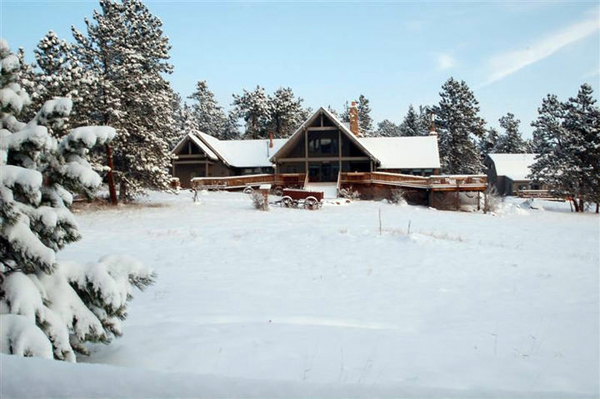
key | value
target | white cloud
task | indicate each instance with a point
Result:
(505, 64)
(445, 61)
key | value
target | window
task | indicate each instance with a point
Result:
(323, 143)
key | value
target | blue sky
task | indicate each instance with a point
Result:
(395, 53)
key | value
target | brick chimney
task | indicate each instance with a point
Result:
(270, 139)
(354, 119)
(432, 131)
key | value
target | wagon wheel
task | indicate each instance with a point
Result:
(287, 202)
(311, 203)
(278, 191)
(248, 190)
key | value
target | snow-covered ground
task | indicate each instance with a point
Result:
(295, 303)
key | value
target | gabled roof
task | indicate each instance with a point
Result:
(196, 140)
(340, 125)
(514, 166)
(404, 152)
(234, 153)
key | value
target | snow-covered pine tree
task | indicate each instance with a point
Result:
(344, 116)
(412, 125)
(59, 75)
(232, 128)
(582, 143)
(365, 122)
(458, 123)
(185, 123)
(567, 141)
(255, 108)
(548, 137)
(488, 142)
(286, 113)
(126, 53)
(511, 142)
(181, 112)
(210, 117)
(27, 81)
(49, 308)
(387, 128)
(425, 122)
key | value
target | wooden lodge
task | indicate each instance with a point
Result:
(323, 150)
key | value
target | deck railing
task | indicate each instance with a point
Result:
(436, 182)
(286, 179)
(426, 182)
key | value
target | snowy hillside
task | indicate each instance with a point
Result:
(294, 303)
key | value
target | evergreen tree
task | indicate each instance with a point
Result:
(255, 108)
(548, 137)
(286, 113)
(126, 53)
(425, 119)
(582, 139)
(59, 74)
(511, 142)
(567, 141)
(50, 309)
(365, 122)
(344, 116)
(210, 117)
(28, 82)
(412, 125)
(185, 123)
(231, 130)
(387, 128)
(458, 123)
(488, 142)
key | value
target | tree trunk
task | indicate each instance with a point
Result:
(111, 177)
(575, 204)
(597, 206)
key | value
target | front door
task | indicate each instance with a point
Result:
(323, 172)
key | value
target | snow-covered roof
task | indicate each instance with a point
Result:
(404, 152)
(388, 152)
(514, 166)
(243, 153)
(196, 140)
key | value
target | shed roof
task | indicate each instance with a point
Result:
(514, 166)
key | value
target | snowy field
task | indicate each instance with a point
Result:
(294, 303)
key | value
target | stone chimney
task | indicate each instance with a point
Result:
(354, 119)
(270, 139)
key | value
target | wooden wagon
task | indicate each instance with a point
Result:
(296, 198)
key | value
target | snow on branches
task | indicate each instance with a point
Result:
(50, 308)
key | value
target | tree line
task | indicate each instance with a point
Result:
(115, 73)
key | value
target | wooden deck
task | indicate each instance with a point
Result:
(298, 180)
(432, 183)
(240, 182)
